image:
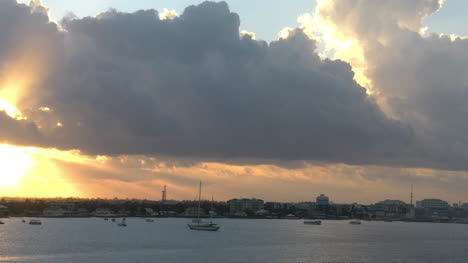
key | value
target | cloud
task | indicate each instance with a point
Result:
(419, 80)
(193, 86)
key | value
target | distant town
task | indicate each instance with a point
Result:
(427, 210)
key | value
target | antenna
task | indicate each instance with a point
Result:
(411, 201)
(164, 194)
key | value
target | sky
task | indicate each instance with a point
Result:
(265, 18)
(356, 99)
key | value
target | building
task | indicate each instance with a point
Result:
(273, 206)
(193, 212)
(432, 208)
(465, 206)
(243, 205)
(103, 212)
(55, 212)
(3, 211)
(262, 212)
(388, 209)
(432, 203)
(322, 200)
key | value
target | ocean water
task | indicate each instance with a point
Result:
(272, 241)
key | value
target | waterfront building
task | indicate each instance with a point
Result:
(273, 206)
(306, 206)
(54, 212)
(149, 212)
(193, 212)
(323, 200)
(262, 212)
(465, 206)
(103, 212)
(432, 208)
(243, 205)
(341, 210)
(3, 211)
(389, 208)
(432, 203)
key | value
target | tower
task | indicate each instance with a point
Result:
(164, 194)
(411, 198)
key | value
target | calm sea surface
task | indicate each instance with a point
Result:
(169, 240)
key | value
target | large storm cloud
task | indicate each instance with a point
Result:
(193, 86)
(420, 80)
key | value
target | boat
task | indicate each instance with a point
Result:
(1, 222)
(388, 220)
(291, 217)
(113, 219)
(35, 222)
(23, 221)
(309, 222)
(106, 219)
(355, 222)
(204, 226)
(198, 224)
(149, 220)
(123, 223)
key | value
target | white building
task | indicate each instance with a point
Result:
(193, 212)
(432, 203)
(54, 212)
(323, 200)
(241, 205)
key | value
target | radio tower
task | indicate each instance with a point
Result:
(164, 193)
(411, 200)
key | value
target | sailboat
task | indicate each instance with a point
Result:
(123, 223)
(198, 224)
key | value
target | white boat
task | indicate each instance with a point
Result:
(204, 226)
(310, 222)
(35, 222)
(291, 217)
(149, 220)
(123, 223)
(198, 224)
(355, 222)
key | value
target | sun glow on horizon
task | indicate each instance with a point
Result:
(14, 163)
(35, 172)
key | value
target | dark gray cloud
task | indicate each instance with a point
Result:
(193, 87)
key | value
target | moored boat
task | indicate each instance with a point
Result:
(123, 223)
(203, 226)
(310, 222)
(355, 222)
(198, 224)
(35, 222)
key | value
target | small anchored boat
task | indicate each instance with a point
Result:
(355, 222)
(123, 223)
(35, 222)
(310, 222)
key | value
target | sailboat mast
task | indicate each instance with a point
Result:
(199, 200)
